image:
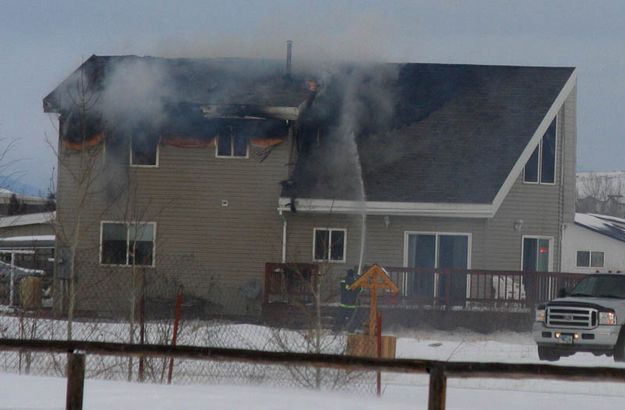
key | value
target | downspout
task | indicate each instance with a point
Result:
(284, 224)
(561, 193)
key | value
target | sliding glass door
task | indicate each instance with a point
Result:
(446, 252)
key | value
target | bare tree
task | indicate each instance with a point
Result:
(79, 154)
(601, 193)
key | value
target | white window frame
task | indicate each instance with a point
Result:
(127, 264)
(232, 156)
(551, 249)
(158, 154)
(437, 235)
(539, 170)
(589, 259)
(314, 243)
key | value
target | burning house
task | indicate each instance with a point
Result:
(206, 170)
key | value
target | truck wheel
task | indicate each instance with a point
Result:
(545, 353)
(619, 349)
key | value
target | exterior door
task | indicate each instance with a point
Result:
(438, 251)
(421, 254)
(537, 257)
(453, 256)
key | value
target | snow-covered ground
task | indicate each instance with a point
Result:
(400, 391)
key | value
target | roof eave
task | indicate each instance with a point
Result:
(269, 111)
(449, 210)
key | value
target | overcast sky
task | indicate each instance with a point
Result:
(41, 42)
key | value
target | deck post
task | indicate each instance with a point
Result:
(75, 381)
(438, 389)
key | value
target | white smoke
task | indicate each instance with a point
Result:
(135, 91)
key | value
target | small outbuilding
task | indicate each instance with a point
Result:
(594, 243)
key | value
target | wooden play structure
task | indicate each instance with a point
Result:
(373, 344)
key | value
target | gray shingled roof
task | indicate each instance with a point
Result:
(457, 132)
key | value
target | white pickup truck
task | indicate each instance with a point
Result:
(590, 318)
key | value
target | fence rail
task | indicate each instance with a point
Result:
(439, 370)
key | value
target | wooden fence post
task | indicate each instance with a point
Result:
(378, 336)
(438, 389)
(179, 302)
(75, 381)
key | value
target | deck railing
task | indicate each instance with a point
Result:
(462, 288)
(289, 282)
(477, 288)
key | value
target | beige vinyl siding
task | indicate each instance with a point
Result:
(384, 245)
(569, 129)
(198, 240)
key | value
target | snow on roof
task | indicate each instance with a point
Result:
(601, 225)
(27, 219)
(31, 238)
(610, 218)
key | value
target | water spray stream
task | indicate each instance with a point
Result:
(362, 204)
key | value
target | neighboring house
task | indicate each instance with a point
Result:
(594, 243)
(10, 202)
(28, 240)
(37, 224)
(27, 244)
(233, 163)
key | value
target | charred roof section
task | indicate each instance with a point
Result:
(194, 81)
(121, 96)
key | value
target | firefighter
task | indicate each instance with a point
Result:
(349, 298)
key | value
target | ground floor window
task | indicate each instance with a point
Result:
(329, 244)
(129, 244)
(590, 259)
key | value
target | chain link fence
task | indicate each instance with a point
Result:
(156, 306)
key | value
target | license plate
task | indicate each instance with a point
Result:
(566, 339)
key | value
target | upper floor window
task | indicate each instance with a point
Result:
(128, 244)
(231, 144)
(143, 152)
(590, 259)
(541, 167)
(329, 245)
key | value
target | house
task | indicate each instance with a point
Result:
(14, 203)
(205, 170)
(27, 245)
(35, 224)
(28, 241)
(594, 243)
